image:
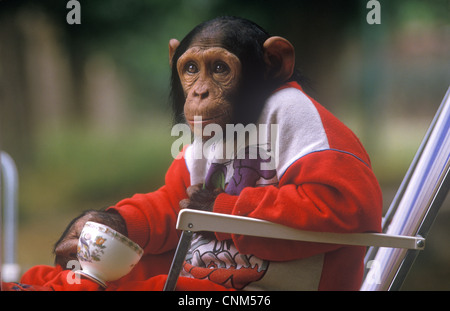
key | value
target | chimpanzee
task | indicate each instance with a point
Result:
(231, 71)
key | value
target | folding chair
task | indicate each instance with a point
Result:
(405, 225)
(8, 232)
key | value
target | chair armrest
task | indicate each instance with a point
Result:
(195, 221)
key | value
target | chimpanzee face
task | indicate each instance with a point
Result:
(224, 69)
(210, 77)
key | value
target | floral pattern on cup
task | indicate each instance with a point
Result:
(89, 254)
(86, 254)
(106, 255)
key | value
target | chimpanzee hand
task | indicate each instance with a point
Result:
(66, 247)
(200, 198)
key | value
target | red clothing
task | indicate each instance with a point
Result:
(322, 182)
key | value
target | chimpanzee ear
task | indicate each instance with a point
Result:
(279, 56)
(173, 44)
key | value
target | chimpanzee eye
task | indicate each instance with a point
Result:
(221, 67)
(191, 68)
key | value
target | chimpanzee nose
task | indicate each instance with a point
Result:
(201, 91)
(202, 94)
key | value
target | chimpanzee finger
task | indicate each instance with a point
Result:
(184, 203)
(65, 248)
(193, 189)
(66, 251)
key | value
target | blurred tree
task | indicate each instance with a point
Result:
(133, 35)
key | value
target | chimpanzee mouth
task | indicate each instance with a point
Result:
(199, 120)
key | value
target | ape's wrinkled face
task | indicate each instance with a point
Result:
(210, 77)
(224, 70)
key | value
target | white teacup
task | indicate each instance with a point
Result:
(104, 254)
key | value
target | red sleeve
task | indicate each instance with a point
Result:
(151, 218)
(328, 191)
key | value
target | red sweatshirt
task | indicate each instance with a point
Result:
(312, 173)
(322, 181)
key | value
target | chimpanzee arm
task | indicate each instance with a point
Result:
(325, 191)
(151, 217)
(143, 217)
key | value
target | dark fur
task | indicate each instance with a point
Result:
(203, 199)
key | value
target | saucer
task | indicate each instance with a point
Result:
(91, 277)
